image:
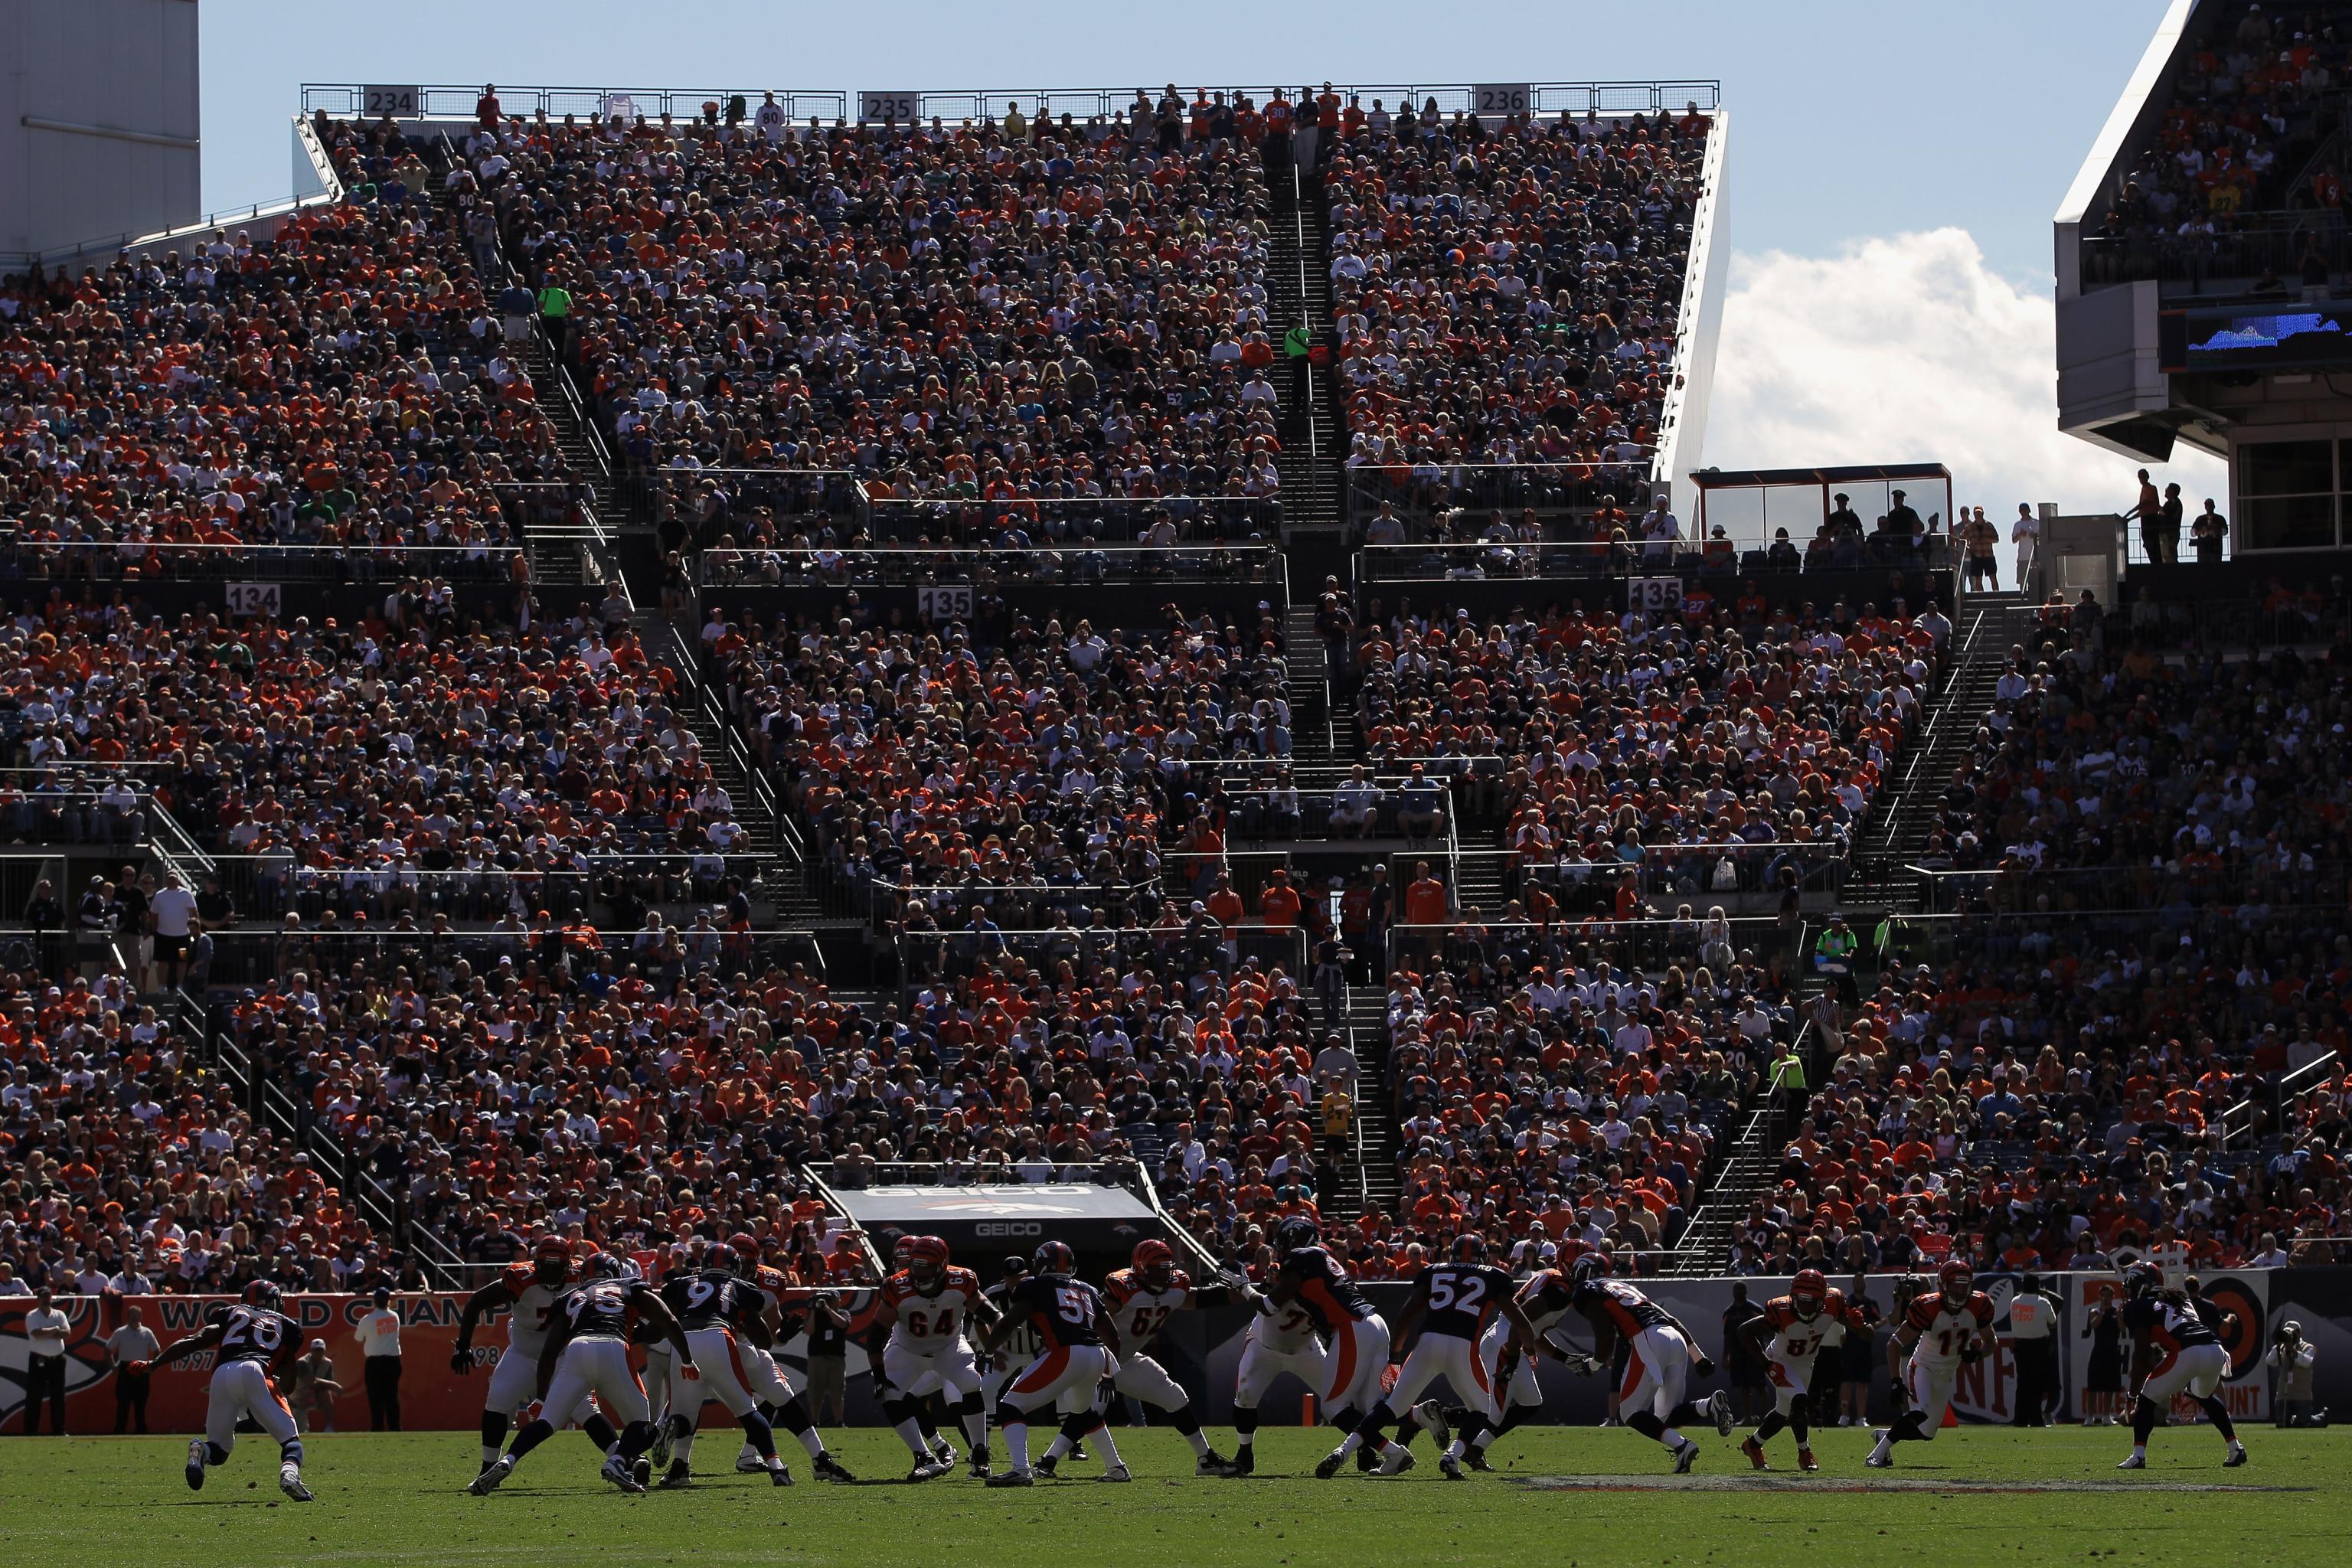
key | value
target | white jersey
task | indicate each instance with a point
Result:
(534, 1311)
(1947, 1328)
(932, 1322)
(1141, 1313)
(1286, 1331)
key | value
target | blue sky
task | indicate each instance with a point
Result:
(1896, 164)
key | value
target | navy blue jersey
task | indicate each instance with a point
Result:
(1063, 1311)
(1463, 1297)
(2171, 1322)
(600, 1308)
(711, 1299)
(1625, 1308)
(1324, 1288)
(255, 1333)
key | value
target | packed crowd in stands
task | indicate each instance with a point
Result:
(131, 1169)
(342, 384)
(1623, 740)
(2261, 92)
(1509, 296)
(426, 762)
(1008, 310)
(919, 759)
(2152, 935)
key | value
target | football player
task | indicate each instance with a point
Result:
(713, 1306)
(1141, 1298)
(1071, 1322)
(1661, 1355)
(587, 1352)
(2175, 1347)
(1356, 1340)
(1280, 1340)
(527, 1292)
(252, 1341)
(1445, 1318)
(1940, 1328)
(1544, 1300)
(1787, 1337)
(923, 1311)
(785, 1311)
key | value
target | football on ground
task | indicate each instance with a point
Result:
(1582, 1497)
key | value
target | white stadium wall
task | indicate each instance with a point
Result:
(99, 121)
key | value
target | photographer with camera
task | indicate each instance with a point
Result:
(2292, 1357)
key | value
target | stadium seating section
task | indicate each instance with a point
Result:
(479, 945)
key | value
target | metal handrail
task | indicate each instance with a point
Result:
(458, 101)
(2239, 1117)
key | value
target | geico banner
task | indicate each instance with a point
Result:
(431, 1398)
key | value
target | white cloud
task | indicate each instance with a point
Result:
(1909, 348)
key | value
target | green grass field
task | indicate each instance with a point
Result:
(1583, 1497)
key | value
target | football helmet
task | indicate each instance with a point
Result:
(1155, 1262)
(1469, 1247)
(263, 1294)
(926, 1260)
(1053, 1258)
(2142, 1279)
(1807, 1292)
(1591, 1265)
(1295, 1232)
(606, 1265)
(550, 1261)
(1957, 1280)
(721, 1259)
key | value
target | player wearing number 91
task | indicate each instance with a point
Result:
(1072, 1324)
(251, 1338)
(588, 1353)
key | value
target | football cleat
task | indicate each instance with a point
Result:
(1013, 1479)
(1687, 1455)
(1212, 1463)
(1118, 1473)
(1328, 1465)
(1397, 1460)
(942, 1450)
(1477, 1459)
(1047, 1464)
(1755, 1452)
(980, 1465)
(1450, 1468)
(2133, 1462)
(829, 1468)
(678, 1478)
(487, 1481)
(930, 1471)
(622, 1474)
(1368, 1460)
(661, 1453)
(2237, 1456)
(1245, 1463)
(782, 1476)
(1433, 1421)
(1880, 1457)
(1805, 1460)
(289, 1481)
(641, 1470)
(196, 1464)
(749, 1463)
(1718, 1410)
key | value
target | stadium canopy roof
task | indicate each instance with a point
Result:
(1089, 1218)
(1851, 474)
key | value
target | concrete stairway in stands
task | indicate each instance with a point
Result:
(1299, 294)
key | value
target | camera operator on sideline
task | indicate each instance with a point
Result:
(2292, 1358)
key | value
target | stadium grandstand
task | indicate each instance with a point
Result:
(693, 670)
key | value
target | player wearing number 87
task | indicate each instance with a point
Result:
(1071, 1322)
(1444, 1318)
(587, 1352)
(1788, 1337)
(1947, 1326)
(250, 1339)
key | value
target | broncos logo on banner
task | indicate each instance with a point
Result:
(93, 1318)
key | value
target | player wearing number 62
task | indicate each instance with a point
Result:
(251, 1340)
